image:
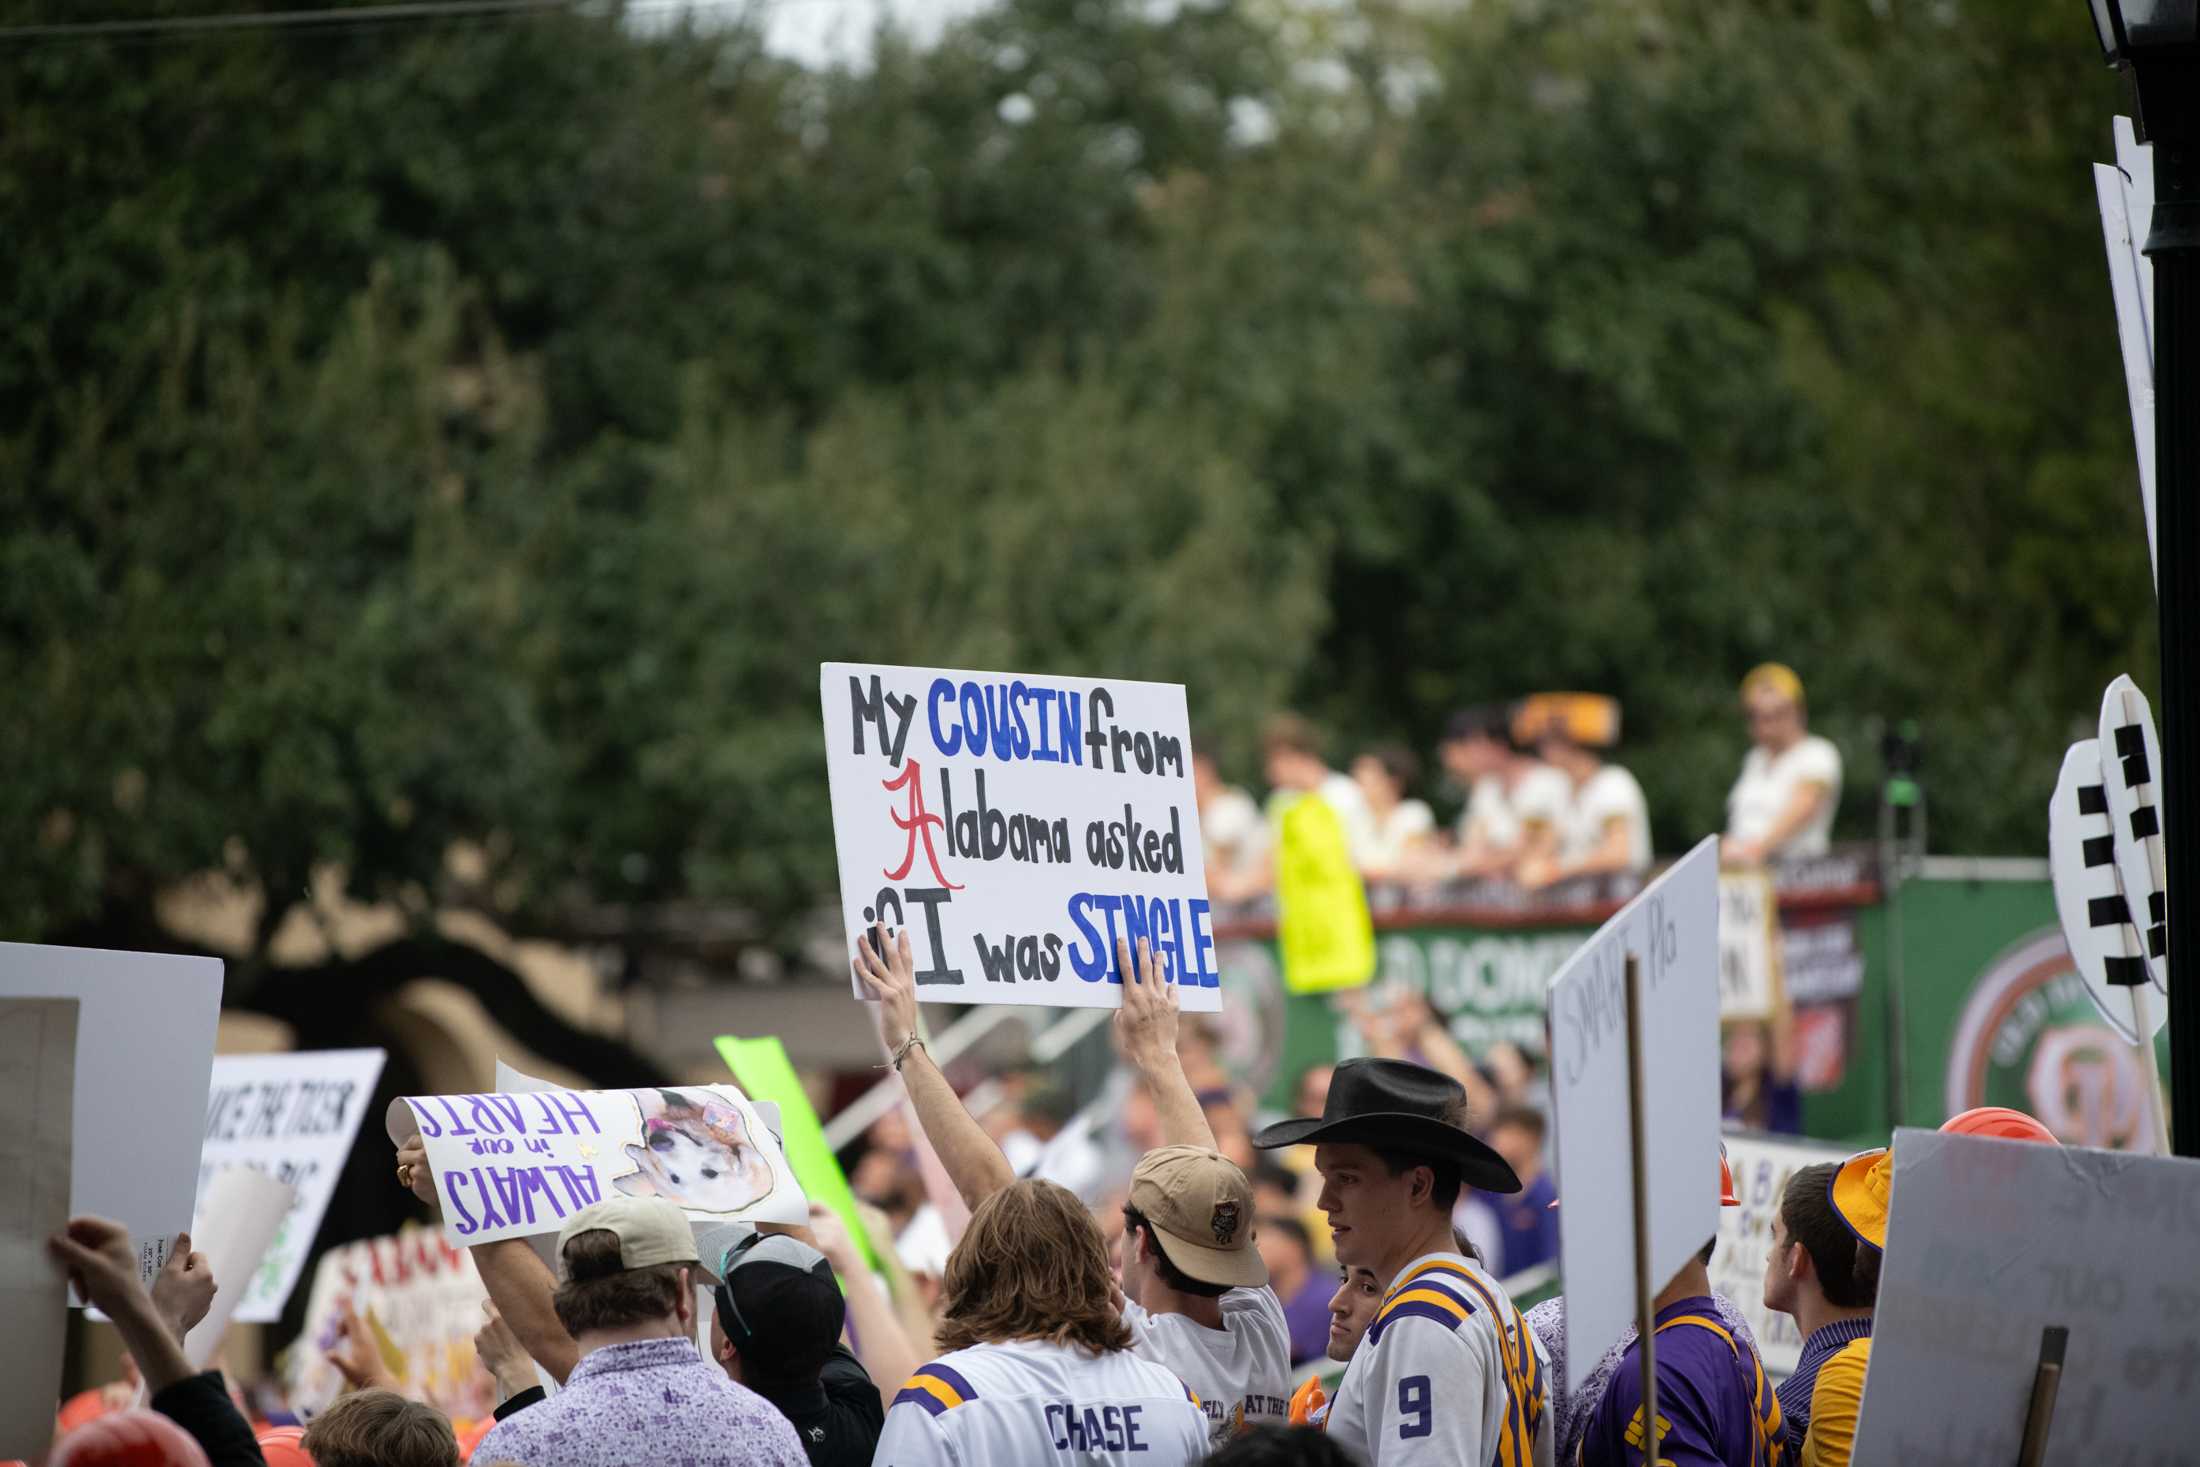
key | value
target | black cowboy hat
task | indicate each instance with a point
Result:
(1397, 1106)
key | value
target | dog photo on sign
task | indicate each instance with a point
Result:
(695, 1151)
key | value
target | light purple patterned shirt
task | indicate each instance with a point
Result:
(654, 1401)
(1570, 1411)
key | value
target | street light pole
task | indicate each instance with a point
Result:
(2158, 43)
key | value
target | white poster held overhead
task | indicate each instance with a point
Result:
(513, 1166)
(239, 1217)
(1762, 1166)
(421, 1300)
(145, 1048)
(1749, 946)
(294, 1117)
(1672, 930)
(1991, 1242)
(1016, 826)
(37, 1091)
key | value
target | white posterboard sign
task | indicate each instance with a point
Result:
(1989, 1242)
(37, 1090)
(1016, 825)
(1672, 930)
(514, 1166)
(1762, 1166)
(240, 1214)
(421, 1298)
(145, 1048)
(1749, 946)
(2130, 280)
(294, 1117)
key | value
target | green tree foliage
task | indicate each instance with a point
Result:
(424, 435)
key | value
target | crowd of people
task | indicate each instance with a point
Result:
(1541, 803)
(1179, 1320)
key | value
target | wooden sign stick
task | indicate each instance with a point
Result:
(2054, 1340)
(1645, 1329)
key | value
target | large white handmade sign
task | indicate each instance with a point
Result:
(1762, 1166)
(1989, 1243)
(1672, 930)
(145, 1047)
(1016, 826)
(511, 1166)
(421, 1300)
(293, 1116)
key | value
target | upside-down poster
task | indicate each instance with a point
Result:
(511, 1166)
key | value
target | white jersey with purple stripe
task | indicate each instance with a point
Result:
(1029, 1401)
(1448, 1373)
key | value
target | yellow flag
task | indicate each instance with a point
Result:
(1327, 938)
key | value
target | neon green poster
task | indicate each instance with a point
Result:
(765, 1073)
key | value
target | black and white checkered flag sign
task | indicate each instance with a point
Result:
(2089, 894)
(2131, 769)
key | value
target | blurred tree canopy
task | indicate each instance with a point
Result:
(434, 435)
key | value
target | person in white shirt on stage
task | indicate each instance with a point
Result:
(1038, 1366)
(1514, 803)
(1783, 803)
(1448, 1372)
(1402, 843)
(1606, 828)
(1196, 1296)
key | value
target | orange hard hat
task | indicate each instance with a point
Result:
(1999, 1121)
(1726, 1181)
(135, 1438)
(83, 1407)
(284, 1446)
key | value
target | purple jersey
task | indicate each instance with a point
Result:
(1715, 1407)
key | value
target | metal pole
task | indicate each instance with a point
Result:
(2170, 121)
(1645, 1316)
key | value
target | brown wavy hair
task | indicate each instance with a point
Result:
(1031, 1267)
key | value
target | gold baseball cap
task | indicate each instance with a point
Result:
(650, 1231)
(1201, 1208)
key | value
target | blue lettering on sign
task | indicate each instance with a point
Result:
(947, 740)
(1183, 946)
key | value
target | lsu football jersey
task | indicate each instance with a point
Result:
(1448, 1373)
(1033, 1402)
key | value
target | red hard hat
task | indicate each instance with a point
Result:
(1726, 1181)
(283, 1446)
(2000, 1121)
(128, 1439)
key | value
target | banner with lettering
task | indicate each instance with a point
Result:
(294, 1117)
(1016, 825)
(421, 1300)
(514, 1166)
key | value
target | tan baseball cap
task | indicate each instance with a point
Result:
(1201, 1208)
(650, 1231)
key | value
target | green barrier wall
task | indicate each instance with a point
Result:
(1992, 1012)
